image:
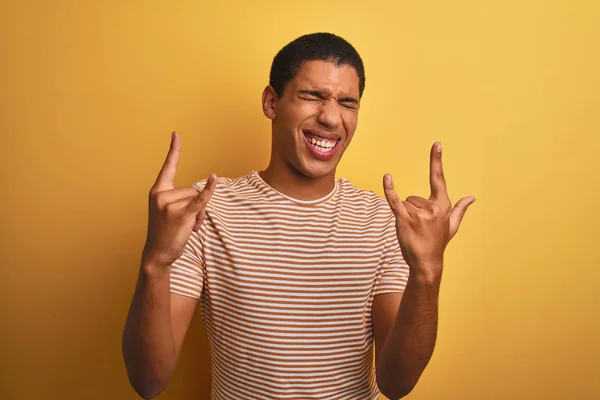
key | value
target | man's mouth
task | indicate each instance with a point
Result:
(323, 146)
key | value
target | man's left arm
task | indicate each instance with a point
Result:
(405, 327)
(405, 324)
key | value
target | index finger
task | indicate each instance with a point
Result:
(167, 173)
(437, 181)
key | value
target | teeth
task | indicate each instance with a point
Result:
(322, 144)
(323, 148)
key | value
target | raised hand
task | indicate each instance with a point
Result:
(425, 226)
(173, 213)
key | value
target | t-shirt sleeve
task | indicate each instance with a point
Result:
(187, 272)
(392, 270)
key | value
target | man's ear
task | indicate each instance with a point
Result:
(269, 102)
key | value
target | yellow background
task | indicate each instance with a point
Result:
(90, 91)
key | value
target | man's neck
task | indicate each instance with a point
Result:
(297, 186)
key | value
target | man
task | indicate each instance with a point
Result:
(297, 272)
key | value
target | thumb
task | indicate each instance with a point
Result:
(458, 212)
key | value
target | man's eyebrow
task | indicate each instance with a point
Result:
(348, 100)
(315, 93)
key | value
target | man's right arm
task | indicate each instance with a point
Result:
(154, 331)
(158, 320)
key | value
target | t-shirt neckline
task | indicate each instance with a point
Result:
(321, 200)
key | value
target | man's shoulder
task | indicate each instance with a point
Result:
(224, 182)
(364, 198)
(350, 191)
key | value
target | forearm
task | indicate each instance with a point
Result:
(410, 343)
(148, 345)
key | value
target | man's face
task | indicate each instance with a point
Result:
(315, 119)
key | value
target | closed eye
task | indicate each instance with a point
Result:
(311, 98)
(349, 102)
(351, 106)
(313, 95)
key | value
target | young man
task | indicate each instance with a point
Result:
(298, 273)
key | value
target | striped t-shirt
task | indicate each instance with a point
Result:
(286, 289)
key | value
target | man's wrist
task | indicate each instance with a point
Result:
(429, 274)
(150, 270)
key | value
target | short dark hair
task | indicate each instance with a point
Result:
(320, 46)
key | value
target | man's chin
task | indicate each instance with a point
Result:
(318, 171)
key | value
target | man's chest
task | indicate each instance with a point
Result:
(308, 268)
(291, 252)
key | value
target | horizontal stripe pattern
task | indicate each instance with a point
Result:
(286, 289)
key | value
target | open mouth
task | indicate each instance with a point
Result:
(319, 145)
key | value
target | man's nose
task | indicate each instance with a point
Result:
(329, 114)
